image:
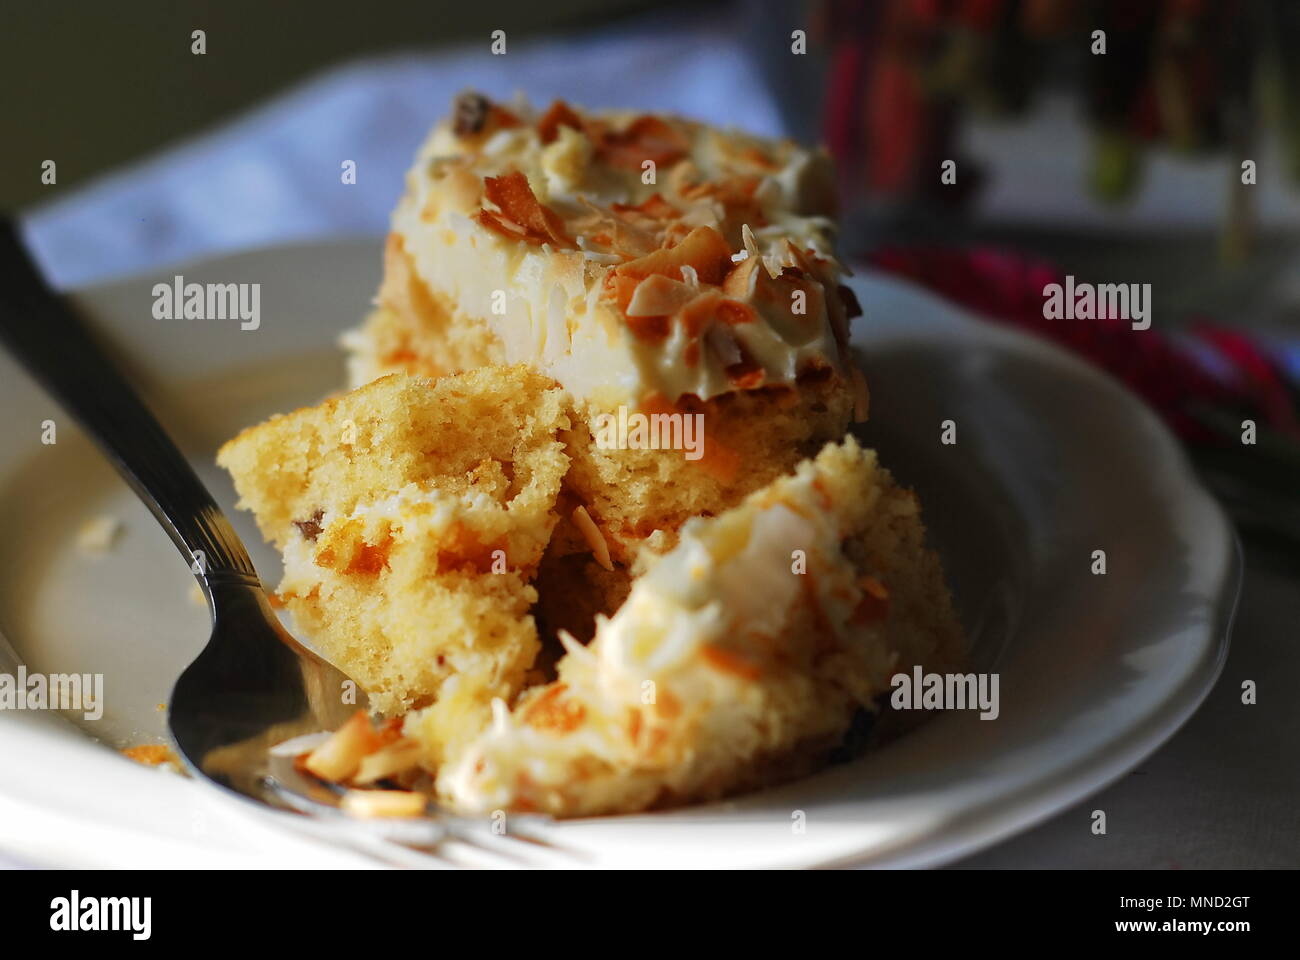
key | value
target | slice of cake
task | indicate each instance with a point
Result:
(412, 517)
(565, 530)
(740, 658)
(651, 265)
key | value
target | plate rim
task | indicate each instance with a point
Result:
(1112, 760)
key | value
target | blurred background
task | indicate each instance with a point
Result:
(1053, 144)
(1104, 139)
(99, 84)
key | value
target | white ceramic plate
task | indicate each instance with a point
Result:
(1052, 462)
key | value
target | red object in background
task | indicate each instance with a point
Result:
(896, 113)
(844, 100)
(1269, 391)
(1009, 288)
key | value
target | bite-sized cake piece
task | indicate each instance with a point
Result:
(651, 265)
(740, 657)
(412, 516)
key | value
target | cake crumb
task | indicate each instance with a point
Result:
(98, 534)
(151, 754)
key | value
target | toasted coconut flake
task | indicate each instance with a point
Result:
(559, 114)
(632, 241)
(296, 746)
(698, 315)
(338, 758)
(658, 295)
(595, 539)
(703, 248)
(682, 177)
(515, 200)
(398, 757)
(645, 138)
(596, 218)
(733, 312)
(375, 804)
(654, 206)
(502, 224)
(741, 281)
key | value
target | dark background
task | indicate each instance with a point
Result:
(92, 84)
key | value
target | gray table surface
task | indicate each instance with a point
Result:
(1224, 792)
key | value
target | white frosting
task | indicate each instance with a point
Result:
(727, 585)
(556, 313)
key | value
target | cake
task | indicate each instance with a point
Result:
(740, 657)
(412, 516)
(648, 264)
(587, 526)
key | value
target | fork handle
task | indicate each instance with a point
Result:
(44, 334)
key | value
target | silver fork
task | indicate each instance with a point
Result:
(253, 686)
